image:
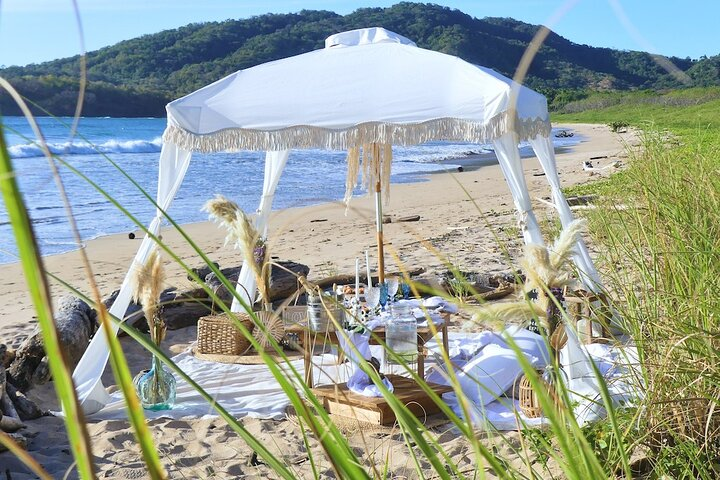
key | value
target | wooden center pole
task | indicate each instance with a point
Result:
(378, 215)
(380, 241)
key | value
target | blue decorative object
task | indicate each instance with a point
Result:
(156, 387)
(384, 297)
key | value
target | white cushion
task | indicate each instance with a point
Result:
(489, 374)
(530, 343)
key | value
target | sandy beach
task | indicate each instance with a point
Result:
(462, 217)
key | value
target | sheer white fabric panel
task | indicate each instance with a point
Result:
(91, 392)
(506, 149)
(274, 165)
(545, 152)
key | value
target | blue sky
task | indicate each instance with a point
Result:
(33, 31)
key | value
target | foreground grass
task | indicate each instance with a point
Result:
(657, 231)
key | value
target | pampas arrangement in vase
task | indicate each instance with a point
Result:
(243, 235)
(547, 271)
(156, 388)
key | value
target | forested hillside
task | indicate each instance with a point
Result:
(137, 77)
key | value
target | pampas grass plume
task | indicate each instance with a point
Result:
(147, 281)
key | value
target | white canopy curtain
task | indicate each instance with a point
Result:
(91, 392)
(368, 86)
(506, 149)
(545, 152)
(274, 166)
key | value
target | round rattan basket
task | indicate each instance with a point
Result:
(218, 334)
(528, 398)
(274, 328)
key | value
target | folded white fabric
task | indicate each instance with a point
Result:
(531, 344)
(359, 381)
(440, 303)
(489, 374)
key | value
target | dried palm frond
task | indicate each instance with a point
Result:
(147, 283)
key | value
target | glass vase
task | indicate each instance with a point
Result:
(156, 387)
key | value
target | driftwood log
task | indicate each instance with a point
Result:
(283, 280)
(179, 310)
(76, 323)
(12, 414)
(349, 279)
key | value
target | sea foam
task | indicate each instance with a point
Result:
(31, 150)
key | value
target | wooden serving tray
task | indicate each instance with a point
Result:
(339, 400)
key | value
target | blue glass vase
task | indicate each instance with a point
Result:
(156, 387)
(384, 297)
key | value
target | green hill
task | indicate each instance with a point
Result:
(137, 77)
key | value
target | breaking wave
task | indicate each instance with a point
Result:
(30, 150)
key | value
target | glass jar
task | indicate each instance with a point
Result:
(401, 335)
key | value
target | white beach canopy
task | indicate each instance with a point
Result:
(366, 90)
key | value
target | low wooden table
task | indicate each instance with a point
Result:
(309, 339)
(339, 400)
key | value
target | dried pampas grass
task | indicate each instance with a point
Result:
(147, 282)
(503, 312)
(545, 269)
(243, 235)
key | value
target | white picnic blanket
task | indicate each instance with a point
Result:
(251, 390)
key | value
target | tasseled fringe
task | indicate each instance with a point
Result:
(233, 139)
(353, 167)
(376, 165)
(386, 170)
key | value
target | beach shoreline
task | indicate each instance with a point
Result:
(111, 255)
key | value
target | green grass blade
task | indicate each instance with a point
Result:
(40, 294)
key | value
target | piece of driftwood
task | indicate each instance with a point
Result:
(134, 315)
(202, 271)
(10, 424)
(7, 407)
(349, 279)
(7, 355)
(283, 280)
(76, 323)
(581, 200)
(26, 408)
(20, 440)
(3, 378)
(185, 314)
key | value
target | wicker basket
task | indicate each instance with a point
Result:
(217, 334)
(528, 399)
(275, 328)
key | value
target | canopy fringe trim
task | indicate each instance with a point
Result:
(303, 136)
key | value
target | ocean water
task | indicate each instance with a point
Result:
(134, 145)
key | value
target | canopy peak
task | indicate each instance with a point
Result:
(365, 36)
